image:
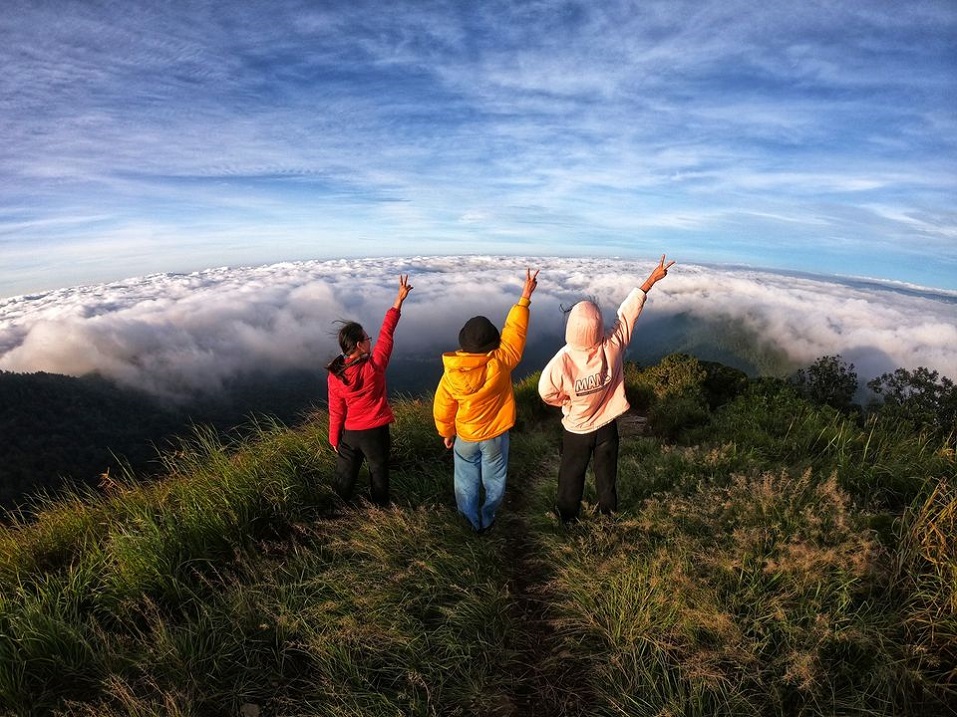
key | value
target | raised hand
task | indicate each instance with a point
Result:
(659, 273)
(531, 283)
(404, 288)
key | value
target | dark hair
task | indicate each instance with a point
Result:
(566, 310)
(351, 334)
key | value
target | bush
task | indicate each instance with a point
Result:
(680, 392)
(675, 374)
(672, 392)
(829, 381)
(722, 384)
(922, 398)
(673, 414)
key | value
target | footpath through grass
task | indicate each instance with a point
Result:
(753, 569)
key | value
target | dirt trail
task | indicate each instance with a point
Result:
(548, 685)
(542, 689)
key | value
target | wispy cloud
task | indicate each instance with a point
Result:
(598, 114)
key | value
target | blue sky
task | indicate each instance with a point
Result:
(174, 136)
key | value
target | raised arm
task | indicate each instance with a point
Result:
(631, 307)
(512, 343)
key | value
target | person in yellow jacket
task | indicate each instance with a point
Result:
(474, 406)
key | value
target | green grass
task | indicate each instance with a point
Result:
(776, 560)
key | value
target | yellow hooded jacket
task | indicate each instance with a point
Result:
(474, 400)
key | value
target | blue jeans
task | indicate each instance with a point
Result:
(480, 464)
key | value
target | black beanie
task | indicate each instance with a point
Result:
(478, 336)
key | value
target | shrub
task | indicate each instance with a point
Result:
(722, 384)
(921, 398)
(673, 392)
(675, 413)
(680, 392)
(675, 374)
(829, 381)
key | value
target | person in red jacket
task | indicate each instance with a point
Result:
(359, 411)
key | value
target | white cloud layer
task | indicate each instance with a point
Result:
(177, 335)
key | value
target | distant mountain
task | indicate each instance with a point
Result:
(56, 429)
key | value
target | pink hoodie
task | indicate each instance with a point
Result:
(586, 377)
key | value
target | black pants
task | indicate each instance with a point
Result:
(373, 445)
(577, 449)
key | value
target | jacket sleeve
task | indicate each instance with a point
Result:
(444, 408)
(551, 384)
(628, 314)
(383, 345)
(337, 412)
(512, 344)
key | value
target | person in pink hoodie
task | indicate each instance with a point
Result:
(586, 379)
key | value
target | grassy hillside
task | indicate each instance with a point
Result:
(771, 557)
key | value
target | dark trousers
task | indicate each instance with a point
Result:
(577, 449)
(372, 445)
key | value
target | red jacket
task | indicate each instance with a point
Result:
(362, 402)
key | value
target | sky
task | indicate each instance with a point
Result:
(143, 138)
(179, 336)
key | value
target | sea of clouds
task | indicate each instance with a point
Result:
(179, 335)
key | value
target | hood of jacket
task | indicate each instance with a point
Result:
(465, 372)
(585, 327)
